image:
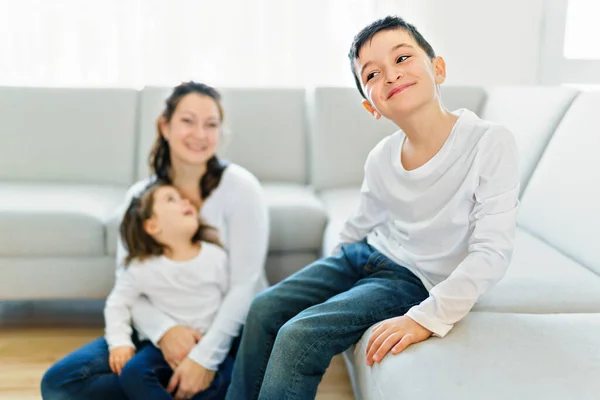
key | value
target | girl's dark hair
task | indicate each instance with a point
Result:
(139, 244)
(160, 156)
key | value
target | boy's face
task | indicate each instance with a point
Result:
(396, 74)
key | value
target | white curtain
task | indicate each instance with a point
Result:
(132, 43)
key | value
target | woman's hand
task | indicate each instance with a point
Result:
(118, 357)
(176, 344)
(189, 378)
(394, 334)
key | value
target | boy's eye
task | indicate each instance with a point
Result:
(187, 120)
(371, 76)
(401, 59)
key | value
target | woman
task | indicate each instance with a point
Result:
(230, 199)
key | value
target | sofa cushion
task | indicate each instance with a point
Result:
(264, 131)
(343, 132)
(68, 135)
(297, 218)
(340, 205)
(491, 356)
(112, 227)
(531, 114)
(281, 265)
(55, 219)
(562, 201)
(542, 280)
(56, 277)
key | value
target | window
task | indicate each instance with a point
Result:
(582, 30)
(571, 43)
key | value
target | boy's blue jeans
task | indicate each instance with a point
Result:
(85, 375)
(294, 328)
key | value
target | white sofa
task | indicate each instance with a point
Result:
(68, 155)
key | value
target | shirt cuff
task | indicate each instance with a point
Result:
(202, 356)
(437, 327)
(160, 331)
(113, 343)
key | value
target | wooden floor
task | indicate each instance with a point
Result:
(34, 335)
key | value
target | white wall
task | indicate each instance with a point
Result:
(285, 43)
(483, 41)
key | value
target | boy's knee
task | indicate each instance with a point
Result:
(295, 333)
(261, 307)
(302, 348)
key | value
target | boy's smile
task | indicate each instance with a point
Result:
(399, 89)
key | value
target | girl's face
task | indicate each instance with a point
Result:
(173, 217)
(194, 129)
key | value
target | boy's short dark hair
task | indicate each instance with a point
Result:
(384, 24)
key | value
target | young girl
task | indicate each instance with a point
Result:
(178, 263)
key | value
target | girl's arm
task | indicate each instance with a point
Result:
(117, 311)
(146, 318)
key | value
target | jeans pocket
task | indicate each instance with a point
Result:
(376, 262)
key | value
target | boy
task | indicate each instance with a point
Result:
(434, 230)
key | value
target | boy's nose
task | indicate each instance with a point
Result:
(394, 75)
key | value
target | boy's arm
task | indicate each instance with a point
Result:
(370, 213)
(492, 224)
(117, 311)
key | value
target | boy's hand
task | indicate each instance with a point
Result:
(395, 334)
(118, 357)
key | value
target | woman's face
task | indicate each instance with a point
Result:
(194, 129)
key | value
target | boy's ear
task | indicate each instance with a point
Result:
(151, 227)
(439, 70)
(371, 109)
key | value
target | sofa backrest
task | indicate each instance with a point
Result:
(532, 115)
(67, 135)
(342, 132)
(265, 131)
(561, 204)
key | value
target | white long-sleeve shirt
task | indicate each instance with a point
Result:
(190, 292)
(451, 221)
(238, 209)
